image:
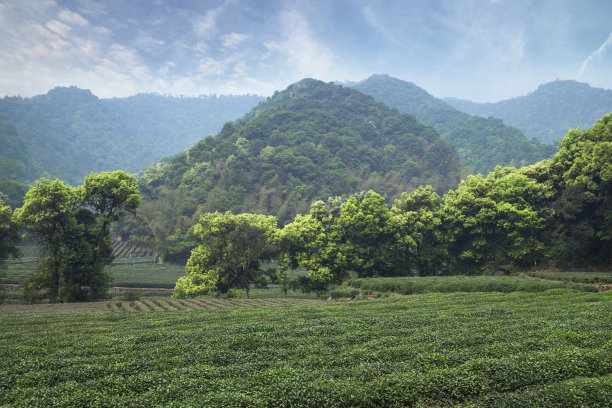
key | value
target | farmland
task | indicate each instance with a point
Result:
(551, 348)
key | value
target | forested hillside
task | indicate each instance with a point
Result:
(69, 132)
(548, 112)
(481, 143)
(311, 141)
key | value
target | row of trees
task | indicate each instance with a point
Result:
(556, 212)
(72, 227)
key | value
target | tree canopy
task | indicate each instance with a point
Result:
(309, 142)
(71, 226)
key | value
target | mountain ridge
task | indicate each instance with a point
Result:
(549, 111)
(482, 143)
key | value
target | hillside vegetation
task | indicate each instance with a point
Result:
(69, 132)
(481, 143)
(548, 112)
(311, 141)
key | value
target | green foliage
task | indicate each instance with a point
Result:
(233, 248)
(481, 143)
(71, 226)
(69, 132)
(582, 172)
(9, 235)
(340, 237)
(548, 112)
(306, 143)
(495, 223)
(547, 349)
(600, 278)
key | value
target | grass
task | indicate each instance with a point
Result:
(547, 349)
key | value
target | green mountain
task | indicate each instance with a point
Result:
(481, 143)
(548, 112)
(69, 132)
(308, 142)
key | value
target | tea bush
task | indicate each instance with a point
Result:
(547, 349)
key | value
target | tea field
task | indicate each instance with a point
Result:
(519, 349)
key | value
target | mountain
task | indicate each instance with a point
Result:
(548, 112)
(481, 143)
(69, 132)
(311, 141)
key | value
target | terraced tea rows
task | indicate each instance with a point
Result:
(144, 305)
(539, 350)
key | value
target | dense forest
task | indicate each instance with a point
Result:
(481, 143)
(556, 213)
(69, 132)
(311, 141)
(548, 112)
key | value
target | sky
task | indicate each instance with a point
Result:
(482, 50)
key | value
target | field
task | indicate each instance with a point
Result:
(546, 349)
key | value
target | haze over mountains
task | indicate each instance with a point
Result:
(69, 132)
(481, 143)
(548, 112)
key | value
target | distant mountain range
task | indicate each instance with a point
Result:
(481, 143)
(69, 132)
(548, 112)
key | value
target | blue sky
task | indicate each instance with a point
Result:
(484, 50)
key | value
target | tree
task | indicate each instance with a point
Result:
(47, 210)
(109, 195)
(420, 243)
(342, 237)
(234, 246)
(9, 234)
(582, 171)
(495, 223)
(71, 225)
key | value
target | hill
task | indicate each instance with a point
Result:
(69, 132)
(547, 113)
(310, 141)
(481, 143)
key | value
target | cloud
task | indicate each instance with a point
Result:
(72, 18)
(595, 56)
(147, 43)
(58, 28)
(234, 39)
(210, 66)
(300, 54)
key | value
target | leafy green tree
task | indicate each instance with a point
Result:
(420, 242)
(48, 209)
(233, 248)
(71, 226)
(109, 195)
(582, 172)
(341, 237)
(495, 223)
(9, 234)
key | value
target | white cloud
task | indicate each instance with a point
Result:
(234, 39)
(210, 66)
(595, 56)
(299, 53)
(72, 18)
(147, 43)
(58, 27)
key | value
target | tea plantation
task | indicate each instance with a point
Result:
(545, 349)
